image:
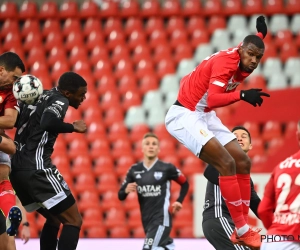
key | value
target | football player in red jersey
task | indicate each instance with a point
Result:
(279, 209)
(11, 67)
(192, 121)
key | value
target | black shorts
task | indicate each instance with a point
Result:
(2, 223)
(158, 236)
(218, 231)
(42, 188)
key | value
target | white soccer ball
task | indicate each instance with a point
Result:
(27, 89)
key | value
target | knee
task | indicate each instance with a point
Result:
(227, 166)
(75, 221)
(53, 222)
(243, 166)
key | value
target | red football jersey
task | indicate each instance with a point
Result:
(279, 209)
(7, 100)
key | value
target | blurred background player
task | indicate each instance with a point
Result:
(151, 179)
(192, 121)
(37, 182)
(11, 67)
(8, 242)
(217, 223)
(279, 209)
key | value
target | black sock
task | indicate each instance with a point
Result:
(69, 238)
(48, 240)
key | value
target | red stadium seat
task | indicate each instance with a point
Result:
(77, 54)
(290, 129)
(97, 146)
(73, 39)
(106, 84)
(123, 67)
(82, 67)
(34, 55)
(89, 200)
(71, 25)
(252, 7)
(92, 217)
(162, 52)
(120, 52)
(162, 133)
(154, 23)
(119, 232)
(297, 40)
(164, 67)
(90, 25)
(68, 9)
(136, 38)
(110, 200)
(102, 67)
(173, 159)
(258, 147)
(32, 40)
(61, 161)
(77, 147)
(95, 131)
(117, 131)
(186, 232)
(183, 218)
(192, 165)
(94, 39)
(53, 39)
(48, 10)
(58, 69)
(81, 164)
(51, 26)
(8, 26)
(131, 201)
(141, 52)
(137, 151)
(256, 81)
(98, 53)
(56, 54)
(121, 147)
(288, 50)
(216, 22)
(88, 9)
(212, 7)
(253, 128)
(138, 232)
(282, 37)
(28, 10)
(170, 8)
(11, 40)
(150, 8)
(138, 131)
(232, 7)
(177, 37)
(157, 37)
(148, 83)
(106, 182)
(191, 8)
(292, 6)
(273, 6)
(109, 9)
(129, 8)
(38, 69)
(115, 38)
(134, 218)
(274, 145)
(112, 24)
(198, 37)
(175, 23)
(110, 99)
(92, 112)
(123, 164)
(270, 51)
(96, 232)
(183, 152)
(84, 182)
(103, 164)
(183, 51)
(167, 147)
(127, 83)
(143, 68)
(271, 130)
(131, 98)
(30, 25)
(8, 10)
(133, 24)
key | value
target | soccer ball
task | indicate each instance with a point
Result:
(27, 89)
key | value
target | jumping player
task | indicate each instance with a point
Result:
(192, 121)
(152, 180)
(37, 182)
(279, 209)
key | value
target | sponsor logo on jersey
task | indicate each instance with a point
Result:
(246, 202)
(202, 132)
(65, 185)
(158, 175)
(139, 172)
(290, 162)
(138, 176)
(149, 190)
(231, 84)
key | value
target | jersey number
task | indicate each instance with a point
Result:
(285, 181)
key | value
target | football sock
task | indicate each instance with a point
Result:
(7, 197)
(48, 239)
(68, 239)
(245, 189)
(231, 193)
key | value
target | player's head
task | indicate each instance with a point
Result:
(11, 68)
(243, 137)
(74, 87)
(251, 51)
(150, 146)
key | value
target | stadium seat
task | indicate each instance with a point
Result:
(252, 7)
(96, 232)
(141, 52)
(51, 26)
(191, 8)
(123, 164)
(131, 98)
(295, 80)
(167, 147)
(148, 83)
(68, 9)
(107, 181)
(97, 146)
(73, 39)
(184, 217)
(162, 52)
(274, 145)
(58, 69)
(136, 38)
(199, 36)
(137, 150)
(133, 24)
(202, 51)
(88, 200)
(138, 131)
(170, 8)
(121, 147)
(186, 232)
(84, 182)
(157, 37)
(297, 40)
(110, 99)
(98, 53)
(273, 6)
(169, 83)
(48, 10)
(117, 131)
(272, 65)
(119, 232)
(292, 7)
(30, 25)
(8, 10)
(232, 7)
(288, 50)
(256, 81)
(34, 55)
(192, 165)
(91, 25)
(120, 52)
(144, 67)
(238, 36)
(105, 84)
(166, 66)
(278, 22)
(92, 217)
(135, 116)
(129, 9)
(162, 133)
(282, 37)
(114, 114)
(138, 232)
(271, 129)
(71, 25)
(38, 69)
(150, 8)
(236, 22)
(170, 99)
(115, 38)
(153, 24)
(131, 202)
(134, 218)
(78, 54)
(177, 37)
(290, 129)
(8, 26)
(295, 22)
(11, 40)
(270, 52)
(77, 147)
(112, 24)
(88, 9)
(61, 161)
(252, 22)
(185, 67)
(173, 159)
(28, 10)
(183, 152)
(53, 39)
(175, 23)
(220, 39)
(81, 163)
(103, 67)
(110, 200)
(212, 7)
(109, 9)
(152, 99)
(277, 81)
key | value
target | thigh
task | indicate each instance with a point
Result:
(158, 236)
(188, 127)
(218, 231)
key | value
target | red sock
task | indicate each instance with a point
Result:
(230, 191)
(7, 197)
(245, 189)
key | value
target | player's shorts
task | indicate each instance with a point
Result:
(288, 245)
(2, 223)
(44, 188)
(5, 159)
(194, 129)
(218, 231)
(157, 238)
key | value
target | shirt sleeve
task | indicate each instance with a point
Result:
(175, 174)
(267, 205)
(58, 107)
(10, 102)
(128, 179)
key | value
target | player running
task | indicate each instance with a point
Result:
(152, 180)
(279, 209)
(192, 121)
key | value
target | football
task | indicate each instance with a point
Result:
(27, 89)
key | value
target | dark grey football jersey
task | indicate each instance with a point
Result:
(153, 189)
(35, 145)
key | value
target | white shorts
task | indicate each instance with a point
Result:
(288, 245)
(194, 129)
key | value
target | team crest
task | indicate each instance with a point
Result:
(158, 175)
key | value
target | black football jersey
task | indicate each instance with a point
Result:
(154, 185)
(35, 145)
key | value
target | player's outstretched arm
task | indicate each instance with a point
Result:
(129, 185)
(7, 145)
(261, 26)
(253, 96)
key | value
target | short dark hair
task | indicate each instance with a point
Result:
(71, 81)
(10, 61)
(254, 39)
(242, 128)
(150, 135)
